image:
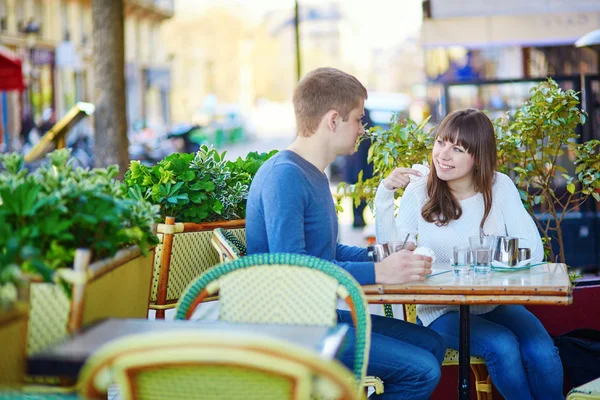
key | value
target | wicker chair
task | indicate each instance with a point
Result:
(588, 391)
(227, 245)
(483, 382)
(184, 252)
(212, 365)
(285, 288)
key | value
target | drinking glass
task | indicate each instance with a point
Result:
(482, 260)
(482, 241)
(461, 261)
(482, 251)
(399, 244)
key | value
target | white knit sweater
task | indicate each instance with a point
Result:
(507, 217)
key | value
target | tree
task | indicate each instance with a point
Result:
(110, 121)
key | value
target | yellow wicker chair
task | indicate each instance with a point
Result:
(230, 248)
(588, 391)
(212, 365)
(184, 252)
(285, 288)
(483, 382)
(227, 245)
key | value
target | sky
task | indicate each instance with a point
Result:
(386, 22)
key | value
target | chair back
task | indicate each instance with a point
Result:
(212, 365)
(184, 252)
(227, 245)
(284, 288)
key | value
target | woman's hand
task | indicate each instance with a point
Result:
(399, 178)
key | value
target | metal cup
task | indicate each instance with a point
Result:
(377, 252)
(394, 246)
(524, 253)
(506, 250)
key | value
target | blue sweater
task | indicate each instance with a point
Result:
(290, 209)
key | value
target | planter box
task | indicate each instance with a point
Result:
(115, 287)
(184, 252)
(13, 336)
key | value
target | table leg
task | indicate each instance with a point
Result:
(464, 358)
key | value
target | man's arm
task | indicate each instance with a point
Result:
(284, 203)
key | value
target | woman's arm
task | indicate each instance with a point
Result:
(387, 228)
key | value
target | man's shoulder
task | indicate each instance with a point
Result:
(281, 164)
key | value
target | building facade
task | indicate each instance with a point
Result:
(53, 39)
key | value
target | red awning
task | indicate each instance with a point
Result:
(11, 75)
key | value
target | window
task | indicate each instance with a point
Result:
(3, 16)
(38, 15)
(20, 15)
(64, 15)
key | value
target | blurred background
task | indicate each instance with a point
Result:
(222, 72)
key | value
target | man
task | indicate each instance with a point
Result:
(290, 209)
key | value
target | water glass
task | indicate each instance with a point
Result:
(461, 261)
(400, 244)
(482, 241)
(482, 260)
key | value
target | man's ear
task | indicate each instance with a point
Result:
(331, 119)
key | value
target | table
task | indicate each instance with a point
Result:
(66, 358)
(541, 284)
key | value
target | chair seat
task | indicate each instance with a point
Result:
(588, 391)
(451, 358)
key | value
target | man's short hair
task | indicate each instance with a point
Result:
(321, 90)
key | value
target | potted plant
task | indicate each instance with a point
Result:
(196, 193)
(84, 244)
(13, 321)
(530, 144)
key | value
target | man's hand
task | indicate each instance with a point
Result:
(399, 178)
(402, 267)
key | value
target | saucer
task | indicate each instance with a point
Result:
(510, 269)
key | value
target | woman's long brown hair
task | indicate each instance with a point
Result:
(473, 130)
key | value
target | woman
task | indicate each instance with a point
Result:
(462, 195)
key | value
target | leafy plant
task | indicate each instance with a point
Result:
(405, 143)
(200, 187)
(46, 215)
(531, 144)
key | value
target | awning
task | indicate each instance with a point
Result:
(508, 30)
(11, 75)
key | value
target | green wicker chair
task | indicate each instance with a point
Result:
(190, 364)
(483, 382)
(588, 391)
(227, 245)
(184, 252)
(284, 288)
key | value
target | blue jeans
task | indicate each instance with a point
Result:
(520, 355)
(407, 357)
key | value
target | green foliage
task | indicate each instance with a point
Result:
(200, 187)
(405, 143)
(46, 215)
(531, 146)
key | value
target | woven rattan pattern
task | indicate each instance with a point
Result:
(272, 294)
(156, 268)
(48, 316)
(588, 391)
(257, 261)
(226, 382)
(238, 245)
(10, 394)
(191, 255)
